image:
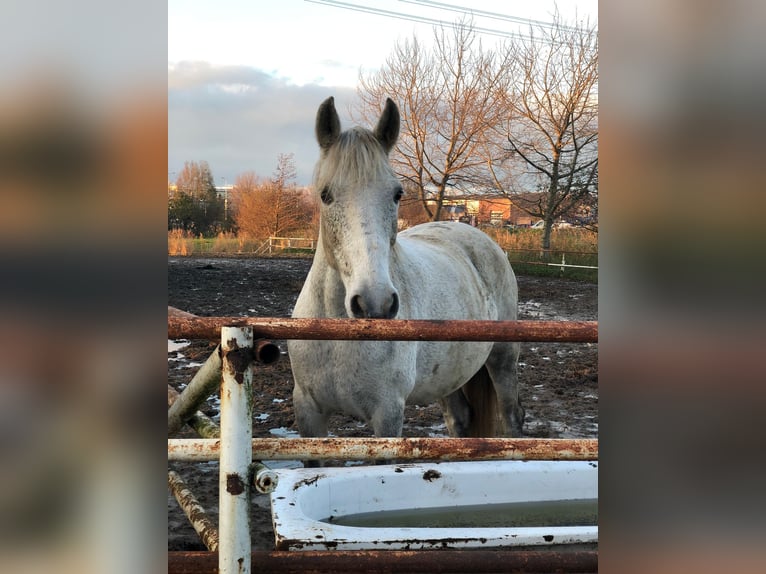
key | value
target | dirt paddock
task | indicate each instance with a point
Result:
(558, 382)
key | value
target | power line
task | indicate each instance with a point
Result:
(491, 15)
(453, 8)
(419, 19)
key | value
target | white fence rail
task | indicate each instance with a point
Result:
(277, 244)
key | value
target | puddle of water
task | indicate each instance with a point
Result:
(583, 512)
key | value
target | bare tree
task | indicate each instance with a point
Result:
(272, 207)
(286, 206)
(195, 179)
(449, 102)
(552, 124)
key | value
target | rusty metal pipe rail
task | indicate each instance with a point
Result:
(401, 561)
(180, 326)
(199, 519)
(186, 325)
(199, 450)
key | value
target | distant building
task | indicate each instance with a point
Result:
(223, 191)
(495, 210)
(512, 210)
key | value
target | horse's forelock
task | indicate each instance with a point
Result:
(357, 157)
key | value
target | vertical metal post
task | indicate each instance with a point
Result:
(234, 546)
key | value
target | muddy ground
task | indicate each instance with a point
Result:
(558, 382)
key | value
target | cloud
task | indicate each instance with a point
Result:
(190, 75)
(239, 118)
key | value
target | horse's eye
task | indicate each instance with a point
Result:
(398, 195)
(325, 195)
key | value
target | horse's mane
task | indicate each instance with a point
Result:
(356, 157)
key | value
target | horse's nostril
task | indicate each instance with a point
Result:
(394, 306)
(356, 307)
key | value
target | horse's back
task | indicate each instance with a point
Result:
(452, 236)
(459, 252)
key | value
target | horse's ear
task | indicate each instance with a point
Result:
(328, 124)
(387, 130)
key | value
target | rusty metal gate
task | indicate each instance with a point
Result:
(243, 343)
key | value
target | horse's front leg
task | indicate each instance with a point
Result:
(387, 421)
(311, 420)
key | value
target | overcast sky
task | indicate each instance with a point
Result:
(245, 77)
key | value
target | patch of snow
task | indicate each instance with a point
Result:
(177, 345)
(283, 432)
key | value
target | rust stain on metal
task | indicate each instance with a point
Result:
(236, 360)
(379, 561)
(308, 481)
(234, 484)
(431, 475)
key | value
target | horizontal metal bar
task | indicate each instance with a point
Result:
(395, 448)
(552, 264)
(176, 312)
(567, 265)
(387, 329)
(401, 561)
(265, 352)
(548, 251)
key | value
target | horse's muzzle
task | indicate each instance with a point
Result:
(367, 308)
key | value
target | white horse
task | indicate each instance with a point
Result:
(364, 269)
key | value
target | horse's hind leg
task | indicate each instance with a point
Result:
(502, 365)
(457, 413)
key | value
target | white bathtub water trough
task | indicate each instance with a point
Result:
(307, 505)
